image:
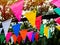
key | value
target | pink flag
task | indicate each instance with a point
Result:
(8, 36)
(57, 20)
(29, 34)
(17, 9)
(56, 3)
(38, 22)
(53, 1)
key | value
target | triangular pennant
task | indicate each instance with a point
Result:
(49, 33)
(14, 38)
(2, 38)
(42, 29)
(33, 36)
(19, 39)
(57, 10)
(16, 29)
(57, 20)
(6, 25)
(29, 35)
(56, 3)
(58, 27)
(8, 36)
(46, 29)
(36, 36)
(23, 33)
(17, 9)
(53, 1)
(38, 22)
(31, 16)
(0, 30)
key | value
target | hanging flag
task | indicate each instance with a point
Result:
(29, 35)
(58, 27)
(33, 36)
(31, 16)
(38, 22)
(57, 20)
(36, 36)
(42, 30)
(0, 30)
(2, 38)
(46, 29)
(16, 29)
(17, 9)
(57, 10)
(8, 36)
(56, 3)
(6, 25)
(19, 39)
(14, 38)
(49, 33)
(23, 33)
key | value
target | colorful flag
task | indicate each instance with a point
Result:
(14, 38)
(8, 36)
(31, 16)
(36, 36)
(56, 3)
(38, 22)
(2, 38)
(6, 25)
(16, 29)
(23, 33)
(29, 35)
(57, 10)
(0, 30)
(58, 27)
(49, 34)
(33, 36)
(46, 29)
(42, 29)
(57, 20)
(17, 9)
(19, 39)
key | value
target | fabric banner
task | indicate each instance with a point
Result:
(6, 25)
(17, 9)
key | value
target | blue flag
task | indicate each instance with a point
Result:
(33, 36)
(16, 29)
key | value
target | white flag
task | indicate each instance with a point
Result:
(6, 25)
(0, 30)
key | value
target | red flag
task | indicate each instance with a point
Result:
(38, 22)
(57, 20)
(36, 36)
(19, 39)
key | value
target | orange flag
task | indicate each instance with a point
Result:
(14, 38)
(23, 33)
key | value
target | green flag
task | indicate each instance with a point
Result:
(49, 33)
(42, 30)
(2, 37)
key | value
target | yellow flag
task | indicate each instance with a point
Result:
(58, 27)
(31, 16)
(46, 29)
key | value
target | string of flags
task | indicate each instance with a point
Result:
(19, 35)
